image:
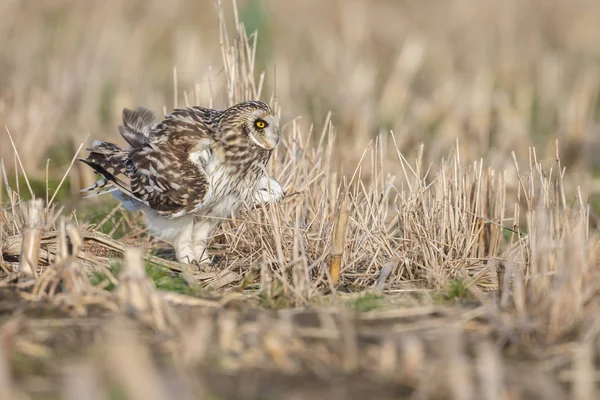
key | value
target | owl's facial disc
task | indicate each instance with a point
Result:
(264, 131)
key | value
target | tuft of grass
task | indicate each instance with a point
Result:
(366, 302)
(38, 186)
(457, 290)
(163, 278)
(277, 298)
(278, 302)
(98, 278)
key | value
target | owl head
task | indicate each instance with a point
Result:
(256, 121)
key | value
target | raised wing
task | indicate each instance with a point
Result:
(137, 126)
(165, 177)
(165, 168)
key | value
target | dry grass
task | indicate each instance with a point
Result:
(455, 269)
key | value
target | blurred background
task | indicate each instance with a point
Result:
(497, 76)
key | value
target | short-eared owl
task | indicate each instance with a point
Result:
(190, 171)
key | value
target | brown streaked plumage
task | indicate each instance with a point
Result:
(191, 170)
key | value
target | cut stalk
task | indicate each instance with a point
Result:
(340, 226)
(33, 214)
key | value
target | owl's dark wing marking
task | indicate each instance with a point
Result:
(166, 171)
(164, 176)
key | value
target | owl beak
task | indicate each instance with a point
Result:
(271, 138)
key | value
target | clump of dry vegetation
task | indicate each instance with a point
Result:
(451, 269)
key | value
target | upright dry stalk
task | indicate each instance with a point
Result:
(412, 363)
(6, 377)
(33, 214)
(340, 226)
(349, 337)
(459, 374)
(130, 366)
(80, 382)
(137, 294)
(584, 387)
(196, 341)
(73, 276)
(489, 371)
(266, 278)
(132, 277)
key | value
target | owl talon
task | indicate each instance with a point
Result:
(204, 265)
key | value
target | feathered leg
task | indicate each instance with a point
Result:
(183, 245)
(188, 235)
(200, 235)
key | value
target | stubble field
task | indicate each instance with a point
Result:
(439, 238)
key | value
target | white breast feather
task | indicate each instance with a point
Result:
(165, 228)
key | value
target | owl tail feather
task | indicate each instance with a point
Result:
(100, 187)
(108, 161)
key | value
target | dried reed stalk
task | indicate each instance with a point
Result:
(33, 214)
(340, 227)
(129, 364)
(80, 382)
(65, 273)
(6, 378)
(138, 295)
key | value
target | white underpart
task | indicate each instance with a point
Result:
(190, 233)
(201, 233)
(177, 231)
(129, 203)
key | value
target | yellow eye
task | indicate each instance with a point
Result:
(260, 124)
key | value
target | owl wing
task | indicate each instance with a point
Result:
(165, 170)
(169, 179)
(137, 126)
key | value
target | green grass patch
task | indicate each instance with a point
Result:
(366, 302)
(113, 225)
(276, 302)
(277, 299)
(163, 278)
(38, 186)
(457, 290)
